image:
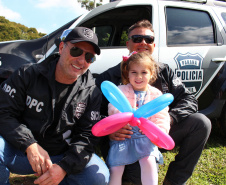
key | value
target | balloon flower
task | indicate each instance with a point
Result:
(137, 117)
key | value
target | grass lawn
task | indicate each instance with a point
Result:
(210, 170)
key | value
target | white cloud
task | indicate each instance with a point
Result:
(41, 30)
(8, 13)
(72, 4)
(67, 6)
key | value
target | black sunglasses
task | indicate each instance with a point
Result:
(139, 38)
(76, 52)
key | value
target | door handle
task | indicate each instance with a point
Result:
(39, 56)
(218, 60)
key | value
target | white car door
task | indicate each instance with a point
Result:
(192, 43)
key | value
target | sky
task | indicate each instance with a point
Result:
(44, 15)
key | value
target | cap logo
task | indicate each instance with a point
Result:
(88, 33)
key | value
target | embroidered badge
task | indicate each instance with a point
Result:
(177, 81)
(80, 109)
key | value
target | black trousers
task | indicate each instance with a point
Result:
(191, 136)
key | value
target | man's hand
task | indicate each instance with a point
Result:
(38, 158)
(53, 176)
(122, 133)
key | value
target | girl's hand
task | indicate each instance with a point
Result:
(141, 132)
(122, 133)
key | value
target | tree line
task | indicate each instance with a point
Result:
(15, 31)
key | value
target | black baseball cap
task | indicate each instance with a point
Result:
(81, 34)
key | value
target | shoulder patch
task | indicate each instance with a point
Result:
(177, 81)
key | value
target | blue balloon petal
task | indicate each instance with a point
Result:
(154, 106)
(115, 96)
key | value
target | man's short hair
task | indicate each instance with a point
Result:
(141, 24)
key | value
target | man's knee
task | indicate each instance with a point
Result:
(93, 174)
(202, 122)
(99, 172)
(100, 178)
(98, 175)
(196, 126)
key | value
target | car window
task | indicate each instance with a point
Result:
(223, 15)
(103, 34)
(111, 26)
(124, 36)
(185, 26)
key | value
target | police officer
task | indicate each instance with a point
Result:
(47, 111)
(189, 129)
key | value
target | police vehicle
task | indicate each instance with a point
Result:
(190, 38)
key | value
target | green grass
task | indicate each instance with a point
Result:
(210, 170)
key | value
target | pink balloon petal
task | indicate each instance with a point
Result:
(111, 124)
(156, 135)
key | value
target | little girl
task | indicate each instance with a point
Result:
(138, 71)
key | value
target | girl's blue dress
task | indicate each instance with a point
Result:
(131, 150)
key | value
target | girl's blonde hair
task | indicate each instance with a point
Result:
(139, 58)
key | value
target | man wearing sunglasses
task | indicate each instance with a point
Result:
(47, 111)
(189, 129)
